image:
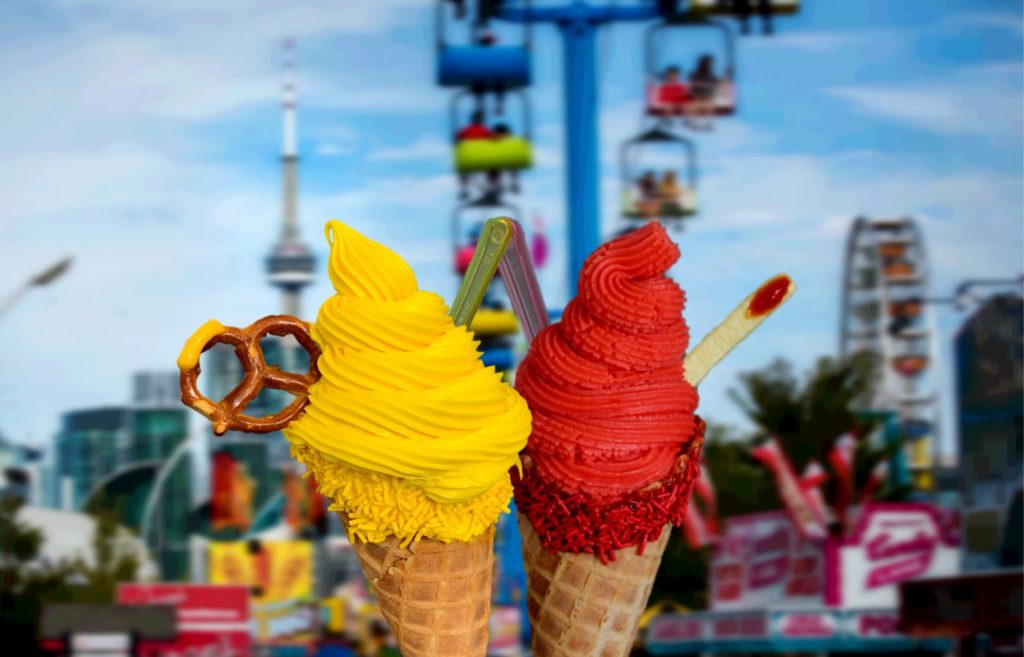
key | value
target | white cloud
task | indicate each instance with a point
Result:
(809, 42)
(187, 62)
(393, 207)
(247, 20)
(976, 100)
(377, 98)
(547, 157)
(333, 149)
(998, 20)
(428, 146)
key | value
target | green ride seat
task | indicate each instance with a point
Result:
(507, 153)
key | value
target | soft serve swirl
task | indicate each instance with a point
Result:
(406, 429)
(612, 412)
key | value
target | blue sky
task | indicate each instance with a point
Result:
(142, 138)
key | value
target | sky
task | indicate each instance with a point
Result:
(142, 138)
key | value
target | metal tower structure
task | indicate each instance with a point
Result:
(289, 267)
(885, 312)
(578, 23)
(290, 263)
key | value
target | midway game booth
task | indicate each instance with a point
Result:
(774, 590)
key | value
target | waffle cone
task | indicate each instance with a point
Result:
(435, 596)
(580, 607)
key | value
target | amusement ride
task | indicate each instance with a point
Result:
(492, 137)
(886, 313)
(490, 120)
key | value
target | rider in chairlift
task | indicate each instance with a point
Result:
(475, 129)
(670, 193)
(648, 201)
(703, 85)
(501, 131)
(673, 93)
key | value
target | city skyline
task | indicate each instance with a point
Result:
(157, 171)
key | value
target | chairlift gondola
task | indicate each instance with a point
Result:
(489, 203)
(481, 65)
(494, 150)
(644, 196)
(679, 97)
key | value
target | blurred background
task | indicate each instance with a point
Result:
(169, 163)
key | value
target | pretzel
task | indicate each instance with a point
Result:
(227, 413)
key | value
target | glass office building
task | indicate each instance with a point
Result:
(113, 456)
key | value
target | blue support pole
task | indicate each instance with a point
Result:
(581, 148)
(579, 22)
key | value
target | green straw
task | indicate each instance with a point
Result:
(494, 239)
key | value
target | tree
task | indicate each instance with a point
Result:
(28, 582)
(19, 543)
(807, 417)
(23, 589)
(742, 486)
(112, 563)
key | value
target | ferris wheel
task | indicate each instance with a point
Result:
(885, 313)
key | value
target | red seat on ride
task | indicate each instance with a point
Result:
(463, 257)
(474, 131)
(667, 98)
(673, 94)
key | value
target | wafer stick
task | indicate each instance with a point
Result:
(495, 238)
(738, 325)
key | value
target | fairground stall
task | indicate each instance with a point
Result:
(772, 589)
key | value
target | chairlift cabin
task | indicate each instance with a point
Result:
(653, 192)
(481, 65)
(684, 97)
(495, 152)
(736, 7)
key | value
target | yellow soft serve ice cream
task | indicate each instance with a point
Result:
(406, 430)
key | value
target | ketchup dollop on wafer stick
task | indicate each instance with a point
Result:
(746, 317)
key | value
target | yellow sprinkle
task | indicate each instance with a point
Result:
(362, 498)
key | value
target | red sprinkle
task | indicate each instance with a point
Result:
(577, 523)
(769, 296)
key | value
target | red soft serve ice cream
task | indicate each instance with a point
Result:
(612, 412)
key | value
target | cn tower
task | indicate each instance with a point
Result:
(290, 263)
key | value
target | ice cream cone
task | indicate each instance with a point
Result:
(435, 596)
(403, 427)
(580, 607)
